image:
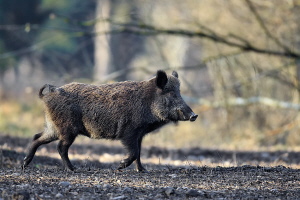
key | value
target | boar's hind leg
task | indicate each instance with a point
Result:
(62, 148)
(38, 140)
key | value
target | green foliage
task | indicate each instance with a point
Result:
(55, 5)
(58, 41)
(41, 26)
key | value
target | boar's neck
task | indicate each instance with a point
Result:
(154, 125)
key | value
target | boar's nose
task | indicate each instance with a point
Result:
(193, 117)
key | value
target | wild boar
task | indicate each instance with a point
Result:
(124, 111)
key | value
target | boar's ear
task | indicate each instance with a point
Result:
(175, 74)
(161, 79)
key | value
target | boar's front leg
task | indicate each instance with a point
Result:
(134, 148)
(138, 163)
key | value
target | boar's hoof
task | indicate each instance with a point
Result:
(142, 170)
(23, 167)
(123, 164)
(25, 162)
(71, 168)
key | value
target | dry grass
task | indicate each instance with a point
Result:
(21, 119)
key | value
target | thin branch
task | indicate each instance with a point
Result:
(264, 27)
(272, 73)
(207, 104)
(275, 74)
(29, 49)
(149, 30)
(119, 73)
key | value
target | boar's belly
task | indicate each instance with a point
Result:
(96, 131)
(108, 129)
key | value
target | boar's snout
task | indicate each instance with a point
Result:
(193, 117)
(189, 115)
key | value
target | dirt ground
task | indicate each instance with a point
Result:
(172, 173)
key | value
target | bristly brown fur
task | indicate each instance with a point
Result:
(124, 111)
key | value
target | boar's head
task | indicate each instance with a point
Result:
(168, 104)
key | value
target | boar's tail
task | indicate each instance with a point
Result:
(51, 88)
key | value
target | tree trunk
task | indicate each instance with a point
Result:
(102, 53)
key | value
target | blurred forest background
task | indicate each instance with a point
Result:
(238, 61)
